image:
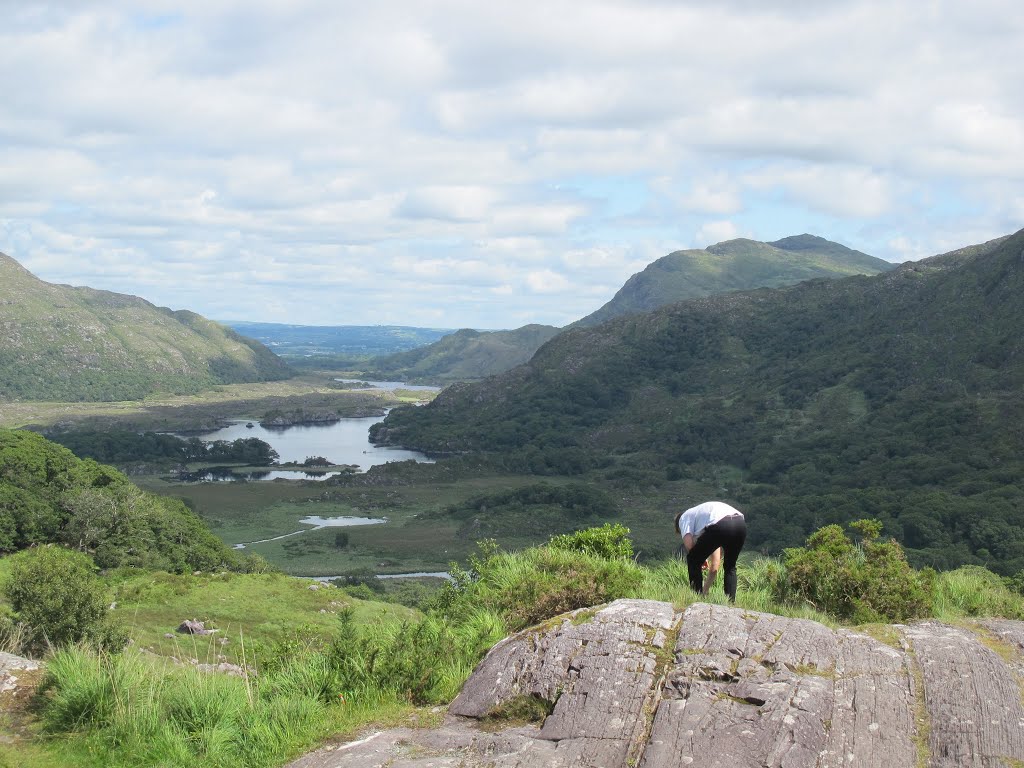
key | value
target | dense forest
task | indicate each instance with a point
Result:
(49, 496)
(895, 396)
(119, 446)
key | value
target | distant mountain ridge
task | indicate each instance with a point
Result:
(734, 265)
(59, 342)
(295, 342)
(465, 355)
(728, 266)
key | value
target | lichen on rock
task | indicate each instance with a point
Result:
(642, 685)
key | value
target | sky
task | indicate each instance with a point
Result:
(456, 164)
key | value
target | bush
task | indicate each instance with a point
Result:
(528, 587)
(56, 593)
(611, 540)
(867, 583)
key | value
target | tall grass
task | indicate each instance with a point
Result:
(759, 588)
(137, 709)
(524, 588)
(973, 591)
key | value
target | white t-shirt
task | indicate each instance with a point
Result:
(696, 519)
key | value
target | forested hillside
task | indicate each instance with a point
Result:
(734, 265)
(896, 396)
(48, 495)
(63, 343)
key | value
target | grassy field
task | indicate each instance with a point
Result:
(259, 618)
(418, 535)
(409, 541)
(179, 412)
(263, 608)
(250, 611)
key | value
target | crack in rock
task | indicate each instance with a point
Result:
(641, 685)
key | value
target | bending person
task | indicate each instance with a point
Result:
(704, 529)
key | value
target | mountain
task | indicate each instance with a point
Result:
(729, 266)
(734, 265)
(896, 396)
(464, 355)
(58, 342)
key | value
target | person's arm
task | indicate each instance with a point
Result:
(688, 542)
(714, 564)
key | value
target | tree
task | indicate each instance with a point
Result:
(57, 594)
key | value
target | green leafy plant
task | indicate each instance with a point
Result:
(611, 540)
(57, 595)
(864, 583)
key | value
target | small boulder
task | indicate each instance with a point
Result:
(193, 627)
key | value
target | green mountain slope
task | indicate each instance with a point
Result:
(48, 495)
(63, 343)
(730, 266)
(896, 396)
(734, 265)
(465, 355)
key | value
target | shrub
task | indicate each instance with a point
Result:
(528, 587)
(866, 583)
(58, 595)
(611, 540)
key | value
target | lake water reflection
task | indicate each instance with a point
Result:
(390, 386)
(230, 475)
(343, 442)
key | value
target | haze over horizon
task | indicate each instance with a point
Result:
(449, 164)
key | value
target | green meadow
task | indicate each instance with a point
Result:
(420, 533)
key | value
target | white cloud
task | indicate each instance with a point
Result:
(854, 192)
(478, 165)
(547, 281)
(454, 203)
(716, 231)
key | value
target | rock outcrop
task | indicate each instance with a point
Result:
(636, 684)
(13, 670)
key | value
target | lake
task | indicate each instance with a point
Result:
(390, 386)
(343, 442)
(230, 475)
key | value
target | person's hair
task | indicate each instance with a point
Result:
(676, 522)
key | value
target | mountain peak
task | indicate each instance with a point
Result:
(804, 242)
(734, 265)
(10, 265)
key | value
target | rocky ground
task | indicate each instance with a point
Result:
(637, 684)
(18, 679)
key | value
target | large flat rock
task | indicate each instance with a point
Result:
(636, 684)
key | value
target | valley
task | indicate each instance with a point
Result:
(541, 489)
(523, 385)
(206, 410)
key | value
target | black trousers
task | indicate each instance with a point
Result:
(729, 533)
